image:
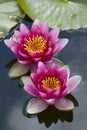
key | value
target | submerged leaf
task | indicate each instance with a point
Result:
(9, 11)
(67, 14)
(18, 70)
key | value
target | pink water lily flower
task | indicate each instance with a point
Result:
(50, 85)
(35, 44)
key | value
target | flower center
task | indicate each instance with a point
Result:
(51, 82)
(35, 44)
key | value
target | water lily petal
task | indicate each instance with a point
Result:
(44, 28)
(41, 66)
(54, 33)
(31, 89)
(64, 104)
(24, 28)
(61, 44)
(47, 61)
(53, 69)
(63, 93)
(43, 95)
(48, 52)
(26, 80)
(34, 78)
(36, 106)
(50, 101)
(18, 70)
(37, 59)
(73, 83)
(56, 94)
(65, 72)
(17, 34)
(34, 67)
(36, 25)
(22, 54)
(58, 62)
(10, 43)
(23, 61)
(15, 49)
(13, 45)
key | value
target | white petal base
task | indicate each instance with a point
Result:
(25, 80)
(36, 105)
(64, 104)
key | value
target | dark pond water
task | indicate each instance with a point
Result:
(13, 99)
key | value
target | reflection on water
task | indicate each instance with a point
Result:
(52, 115)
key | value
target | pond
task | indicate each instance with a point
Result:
(13, 98)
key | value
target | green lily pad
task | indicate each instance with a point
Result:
(9, 11)
(67, 14)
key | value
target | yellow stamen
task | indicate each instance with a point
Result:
(51, 82)
(35, 44)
